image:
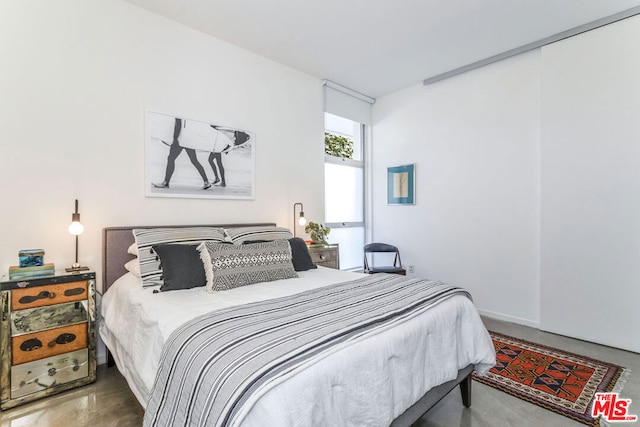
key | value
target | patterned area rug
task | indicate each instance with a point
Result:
(562, 382)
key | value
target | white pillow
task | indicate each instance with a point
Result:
(133, 267)
(133, 249)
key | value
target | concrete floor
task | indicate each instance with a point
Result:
(109, 403)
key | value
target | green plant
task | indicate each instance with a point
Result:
(338, 146)
(318, 232)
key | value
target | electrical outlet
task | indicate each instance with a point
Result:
(410, 269)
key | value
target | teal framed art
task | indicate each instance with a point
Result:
(401, 185)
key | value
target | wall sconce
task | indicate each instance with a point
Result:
(301, 220)
(76, 228)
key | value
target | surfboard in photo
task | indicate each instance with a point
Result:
(183, 159)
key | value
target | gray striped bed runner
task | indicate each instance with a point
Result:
(215, 367)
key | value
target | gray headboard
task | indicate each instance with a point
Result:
(116, 241)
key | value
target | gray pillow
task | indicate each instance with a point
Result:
(181, 266)
(300, 255)
(231, 266)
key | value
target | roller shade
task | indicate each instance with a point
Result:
(347, 103)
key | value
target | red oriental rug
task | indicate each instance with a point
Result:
(559, 381)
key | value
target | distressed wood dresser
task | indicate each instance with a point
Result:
(47, 336)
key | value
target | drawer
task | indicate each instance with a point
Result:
(325, 256)
(38, 345)
(320, 256)
(329, 264)
(45, 373)
(39, 296)
(48, 317)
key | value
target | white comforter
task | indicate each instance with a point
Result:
(368, 383)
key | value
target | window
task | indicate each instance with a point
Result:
(344, 188)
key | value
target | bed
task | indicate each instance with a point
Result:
(419, 367)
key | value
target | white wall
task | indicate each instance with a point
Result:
(527, 184)
(474, 139)
(590, 170)
(76, 78)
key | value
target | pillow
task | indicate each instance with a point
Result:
(133, 267)
(231, 266)
(241, 234)
(300, 255)
(146, 238)
(133, 249)
(181, 266)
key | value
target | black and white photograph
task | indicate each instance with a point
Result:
(196, 159)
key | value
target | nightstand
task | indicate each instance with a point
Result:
(47, 336)
(326, 256)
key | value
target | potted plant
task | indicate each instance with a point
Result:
(318, 232)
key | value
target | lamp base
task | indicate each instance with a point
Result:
(76, 268)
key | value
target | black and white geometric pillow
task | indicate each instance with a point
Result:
(231, 266)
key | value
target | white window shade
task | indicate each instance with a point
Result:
(351, 242)
(344, 192)
(354, 106)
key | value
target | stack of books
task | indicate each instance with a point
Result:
(18, 273)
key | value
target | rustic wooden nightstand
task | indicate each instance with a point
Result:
(326, 256)
(47, 336)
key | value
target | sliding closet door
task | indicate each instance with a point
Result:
(590, 186)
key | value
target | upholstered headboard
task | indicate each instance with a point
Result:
(116, 241)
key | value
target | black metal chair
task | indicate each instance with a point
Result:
(373, 248)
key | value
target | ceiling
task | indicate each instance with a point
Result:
(376, 47)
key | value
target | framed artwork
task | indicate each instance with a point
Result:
(401, 185)
(197, 159)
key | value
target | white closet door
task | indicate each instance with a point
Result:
(590, 186)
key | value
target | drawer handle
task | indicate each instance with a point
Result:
(31, 344)
(5, 306)
(65, 338)
(28, 299)
(73, 292)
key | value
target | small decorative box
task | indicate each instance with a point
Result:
(31, 257)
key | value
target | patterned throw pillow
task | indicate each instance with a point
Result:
(231, 266)
(150, 270)
(240, 235)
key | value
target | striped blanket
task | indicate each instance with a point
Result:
(215, 367)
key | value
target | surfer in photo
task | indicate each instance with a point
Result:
(235, 139)
(174, 151)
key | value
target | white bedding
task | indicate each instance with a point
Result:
(368, 383)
